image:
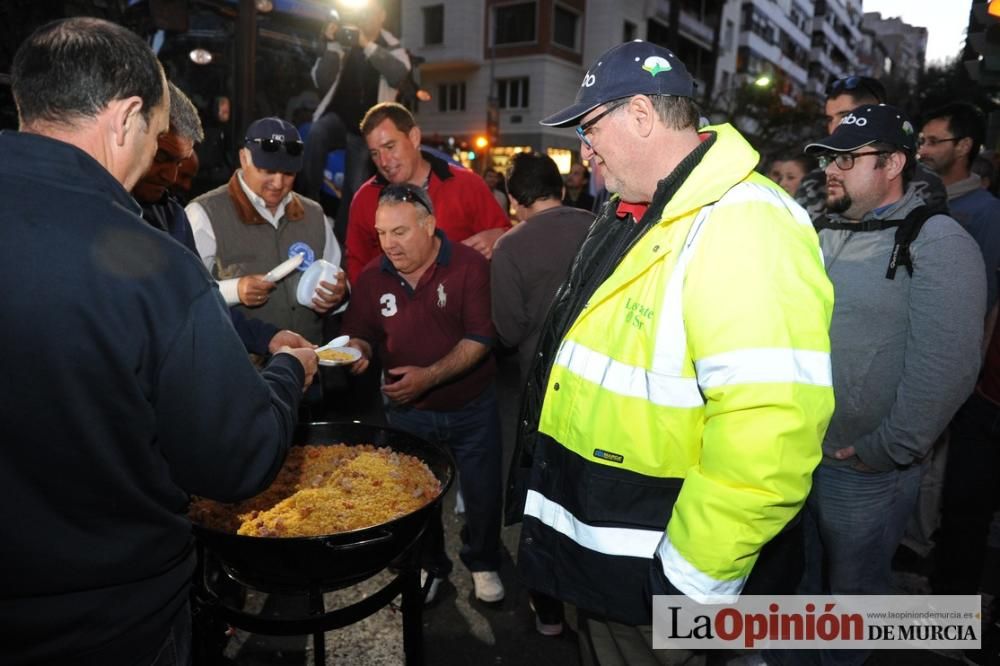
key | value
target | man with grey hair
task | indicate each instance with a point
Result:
(674, 411)
(159, 207)
(126, 390)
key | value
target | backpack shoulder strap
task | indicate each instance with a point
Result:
(906, 233)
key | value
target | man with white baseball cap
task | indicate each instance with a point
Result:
(655, 424)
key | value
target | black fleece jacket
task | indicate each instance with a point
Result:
(123, 389)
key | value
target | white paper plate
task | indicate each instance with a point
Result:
(283, 269)
(350, 351)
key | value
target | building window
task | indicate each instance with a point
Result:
(513, 93)
(514, 24)
(565, 27)
(755, 22)
(628, 31)
(451, 97)
(433, 25)
(657, 33)
(729, 39)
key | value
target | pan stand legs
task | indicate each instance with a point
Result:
(413, 608)
(316, 607)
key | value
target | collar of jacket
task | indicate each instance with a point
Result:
(438, 167)
(970, 183)
(60, 165)
(294, 211)
(729, 160)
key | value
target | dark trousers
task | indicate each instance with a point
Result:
(606, 643)
(326, 134)
(472, 433)
(970, 497)
(176, 647)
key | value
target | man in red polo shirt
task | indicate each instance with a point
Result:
(425, 306)
(465, 208)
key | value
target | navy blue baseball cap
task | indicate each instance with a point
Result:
(868, 124)
(632, 68)
(275, 145)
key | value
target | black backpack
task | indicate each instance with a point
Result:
(906, 232)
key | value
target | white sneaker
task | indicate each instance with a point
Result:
(432, 592)
(488, 586)
(553, 629)
(546, 628)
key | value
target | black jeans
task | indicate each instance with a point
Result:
(970, 497)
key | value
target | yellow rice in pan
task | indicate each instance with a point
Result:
(327, 489)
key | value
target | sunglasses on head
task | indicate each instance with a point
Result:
(408, 194)
(850, 84)
(293, 148)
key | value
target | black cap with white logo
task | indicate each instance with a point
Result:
(632, 68)
(868, 124)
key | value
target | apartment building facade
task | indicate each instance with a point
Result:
(520, 60)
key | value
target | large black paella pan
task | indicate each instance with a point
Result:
(335, 560)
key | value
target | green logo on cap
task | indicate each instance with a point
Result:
(655, 64)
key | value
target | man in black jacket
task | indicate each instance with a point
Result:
(361, 65)
(125, 387)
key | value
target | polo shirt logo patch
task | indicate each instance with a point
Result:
(442, 297)
(388, 302)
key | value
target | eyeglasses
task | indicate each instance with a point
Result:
(849, 84)
(293, 148)
(407, 193)
(933, 141)
(845, 161)
(581, 130)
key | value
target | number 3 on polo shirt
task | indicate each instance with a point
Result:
(389, 303)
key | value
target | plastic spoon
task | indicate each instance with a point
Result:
(338, 341)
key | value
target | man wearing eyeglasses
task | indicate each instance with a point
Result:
(905, 336)
(949, 142)
(843, 96)
(681, 383)
(253, 223)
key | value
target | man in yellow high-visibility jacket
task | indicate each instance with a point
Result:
(682, 385)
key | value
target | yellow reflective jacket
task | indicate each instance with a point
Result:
(685, 407)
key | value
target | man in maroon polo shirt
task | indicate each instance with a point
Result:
(426, 308)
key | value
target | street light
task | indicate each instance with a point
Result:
(762, 81)
(201, 56)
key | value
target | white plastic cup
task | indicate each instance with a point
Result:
(320, 271)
